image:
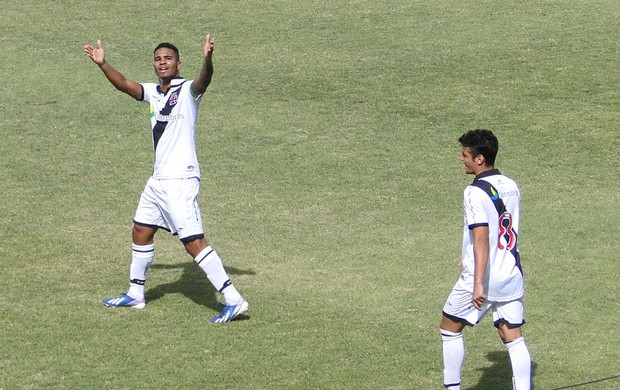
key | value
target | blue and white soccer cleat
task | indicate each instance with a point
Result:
(230, 312)
(125, 301)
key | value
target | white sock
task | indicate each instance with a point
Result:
(209, 261)
(521, 364)
(453, 357)
(141, 258)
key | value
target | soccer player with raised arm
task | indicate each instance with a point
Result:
(492, 278)
(170, 198)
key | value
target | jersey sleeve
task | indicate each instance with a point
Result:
(474, 206)
(147, 91)
(196, 99)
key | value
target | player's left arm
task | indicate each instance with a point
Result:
(481, 259)
(200, 84)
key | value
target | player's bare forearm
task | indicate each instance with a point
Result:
(200, 84)
(114, 76)
(97, 55)
(481, 258)
(120, 82)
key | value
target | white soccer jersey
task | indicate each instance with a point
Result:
(504, 277)
(173, 119)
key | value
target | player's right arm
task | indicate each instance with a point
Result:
(481, 259)
(97, 55)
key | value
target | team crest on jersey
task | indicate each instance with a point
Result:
(173, 98)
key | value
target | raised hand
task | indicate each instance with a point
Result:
(97, 54)
(200, 84)
(208, 50)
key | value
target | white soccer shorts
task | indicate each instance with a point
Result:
(460, 307)
(171, 204)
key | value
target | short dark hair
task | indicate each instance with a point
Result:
(482, 142)
(170, 46)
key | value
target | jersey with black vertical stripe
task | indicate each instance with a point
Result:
(504, 276)
(173, 120)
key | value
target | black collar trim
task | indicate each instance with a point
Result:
(172, 84)
(491, 172)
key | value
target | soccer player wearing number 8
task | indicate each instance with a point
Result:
(492, 277)
(170, 198)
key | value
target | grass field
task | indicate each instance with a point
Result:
(331, 189)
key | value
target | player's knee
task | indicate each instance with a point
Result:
(508, 333)
(451, 324)
(142, 235)
(194, 245)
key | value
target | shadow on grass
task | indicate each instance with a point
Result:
(193, 284)
(499, 375)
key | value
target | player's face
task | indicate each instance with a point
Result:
(165, 63)
(470, 162)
